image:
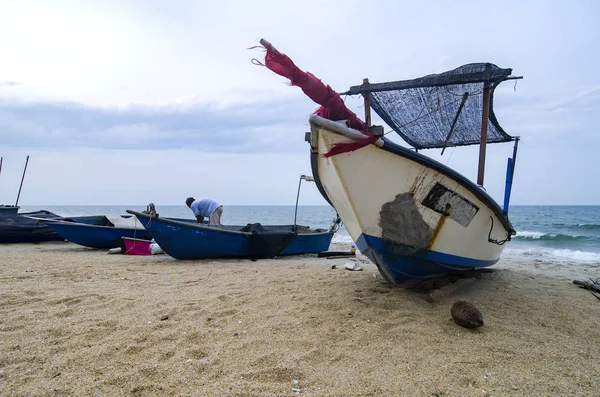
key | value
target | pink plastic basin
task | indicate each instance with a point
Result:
(135, 246)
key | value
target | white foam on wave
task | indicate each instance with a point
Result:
(342, 238)
(526, 234)
(546, 253)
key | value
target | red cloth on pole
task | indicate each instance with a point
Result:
(332, 105)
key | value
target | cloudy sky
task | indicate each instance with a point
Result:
(127, 102)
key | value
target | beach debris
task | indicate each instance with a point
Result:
(353, 266)
(466, 314)
(428, 297)
(588, 285)
(117, 250)
(592, 286)
(334, 266)
(296, 388)
(335, 254)
(155, 248)
(235, 334)
(165, 317)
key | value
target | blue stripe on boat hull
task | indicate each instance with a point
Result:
(399, 267)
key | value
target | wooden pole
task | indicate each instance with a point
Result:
(1, 165)
(367, 97)
(22, 178)
(484, 126)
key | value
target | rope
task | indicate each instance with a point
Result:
(491, 240)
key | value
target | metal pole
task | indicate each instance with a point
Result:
(514, 162)
(1, 165)
(514, 158)
(484, 126)
(367, 97)
(22, 178)
(297, 197)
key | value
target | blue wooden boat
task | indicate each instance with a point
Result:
(100, 232)
(183, 240)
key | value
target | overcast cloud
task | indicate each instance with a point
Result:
(99, 93)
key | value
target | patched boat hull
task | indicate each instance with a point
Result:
(413, 217)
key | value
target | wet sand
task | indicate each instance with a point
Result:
(76, 321)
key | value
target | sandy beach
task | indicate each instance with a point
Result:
(76, 321)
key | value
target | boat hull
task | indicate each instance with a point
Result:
(8, 209)
(94, 235)
(19, 228)
(424, 221)
(189, 241)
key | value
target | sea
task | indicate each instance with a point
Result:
(547, 233)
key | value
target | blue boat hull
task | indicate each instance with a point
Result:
(188, 241)
(96, 236)
(32, 227)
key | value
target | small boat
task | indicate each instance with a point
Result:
(8, 209)
(412, 216)
(185, 240)
(13, 209)
(100, 231)
(31, 227)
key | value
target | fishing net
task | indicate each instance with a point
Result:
(266, 242)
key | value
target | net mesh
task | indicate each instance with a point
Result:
(267, 243)
(422, 111)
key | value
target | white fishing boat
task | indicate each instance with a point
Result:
(411, 215)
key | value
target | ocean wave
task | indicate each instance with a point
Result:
(587, 226)
(577, 226)
(541, 236)
(342, 238)
(552, 254)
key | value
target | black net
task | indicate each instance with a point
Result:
(266, 243)
(422, 111)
